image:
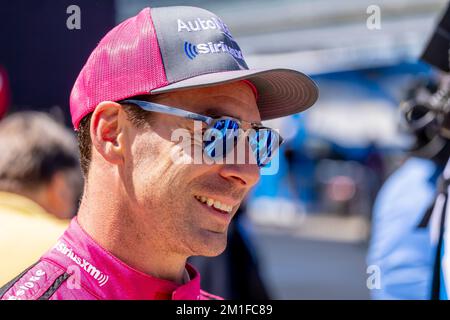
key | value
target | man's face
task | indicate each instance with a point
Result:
(167, 196)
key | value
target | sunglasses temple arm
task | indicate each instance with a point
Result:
(159, 108)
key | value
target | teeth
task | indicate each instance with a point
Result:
(214, 203)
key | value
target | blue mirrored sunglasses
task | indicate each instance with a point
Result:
(221, 134)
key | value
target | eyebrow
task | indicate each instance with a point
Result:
(220, 112)
(216, 112)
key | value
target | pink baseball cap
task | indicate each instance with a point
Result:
(5, 94)
(176, 48)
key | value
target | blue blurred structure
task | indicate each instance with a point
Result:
(403, 251)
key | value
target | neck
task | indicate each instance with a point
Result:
(121, 232)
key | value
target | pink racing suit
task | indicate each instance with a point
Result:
(77, 268)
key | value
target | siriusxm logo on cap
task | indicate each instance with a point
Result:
(190, 50)
(193, 51)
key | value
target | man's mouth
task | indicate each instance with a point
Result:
(210, 202)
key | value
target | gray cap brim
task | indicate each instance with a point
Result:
(281, 92)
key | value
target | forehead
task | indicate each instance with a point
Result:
(235, 100)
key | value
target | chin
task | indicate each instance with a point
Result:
(210, 244)
(214, 253)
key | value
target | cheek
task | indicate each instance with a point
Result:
(146, 160)
(156, 179)
(150, 167)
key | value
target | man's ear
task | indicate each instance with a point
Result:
(107, 129)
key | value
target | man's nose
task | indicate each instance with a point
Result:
(246, 175)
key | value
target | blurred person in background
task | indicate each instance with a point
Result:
(40, 182)
(437, 54)
(400, 245)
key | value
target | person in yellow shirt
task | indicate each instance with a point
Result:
(40, 183)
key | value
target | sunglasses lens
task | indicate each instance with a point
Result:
(221, 138)
(264, 143)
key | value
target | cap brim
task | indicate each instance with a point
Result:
(281, 92)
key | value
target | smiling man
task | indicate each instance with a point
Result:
(142, 213)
